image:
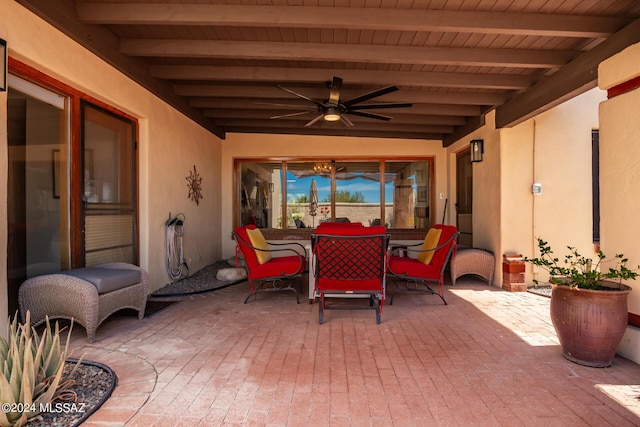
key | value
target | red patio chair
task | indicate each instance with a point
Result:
(417, 274)
(268, 264)
(350, 260)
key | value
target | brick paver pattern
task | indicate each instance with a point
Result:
(489, 358)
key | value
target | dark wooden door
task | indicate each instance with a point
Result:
(464, 203)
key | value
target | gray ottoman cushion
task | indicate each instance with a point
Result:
(106, 280)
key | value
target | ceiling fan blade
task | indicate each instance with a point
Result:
(378, 106)
(282, 116)
(314, 120)
(370, 115)
(346, 121)
(334, 94)
(299, 95)
(370, 95)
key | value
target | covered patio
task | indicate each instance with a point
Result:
(490, 357)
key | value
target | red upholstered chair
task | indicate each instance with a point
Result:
(350, 260)
(413, 275)
(334, 227)
(270, 262)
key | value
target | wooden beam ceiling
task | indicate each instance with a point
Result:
(310, 75)
(343, 52)
(220, 63)
(573, 79)
(583, 26)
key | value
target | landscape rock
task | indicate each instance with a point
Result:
(231, 274)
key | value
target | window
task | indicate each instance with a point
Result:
(595, 184)
(303, 193)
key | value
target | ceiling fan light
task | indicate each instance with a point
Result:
(332, 115)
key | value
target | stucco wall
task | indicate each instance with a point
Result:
(620, 175)
(170, 144)
(553, 149)
(486, 189)
(289, 146)
(487, 199)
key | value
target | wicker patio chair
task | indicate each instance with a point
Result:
(473, 261)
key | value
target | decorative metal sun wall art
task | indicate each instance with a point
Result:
(193, 184)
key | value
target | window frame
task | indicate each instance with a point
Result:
(595, 185)
(126, 187)
(75, 97)
(284, 161)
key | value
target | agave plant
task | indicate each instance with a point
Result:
(31, 371)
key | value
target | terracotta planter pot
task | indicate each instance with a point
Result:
(589, 323)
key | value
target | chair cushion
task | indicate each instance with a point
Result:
(279, 266)
(411, 267)
(328, 285)
(430, 243)
(106, 280)
(257, 240)
(329, 225)
(348, 229)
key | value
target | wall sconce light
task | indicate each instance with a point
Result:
(3, 65)
(254, 192)
(477, 150)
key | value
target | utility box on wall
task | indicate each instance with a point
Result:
(513, 268)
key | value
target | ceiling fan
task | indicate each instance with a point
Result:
(333, 110)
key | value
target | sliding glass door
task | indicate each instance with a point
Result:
(108, 187)
(72, 182)
(37, 185)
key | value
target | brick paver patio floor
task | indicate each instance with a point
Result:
(488, 358)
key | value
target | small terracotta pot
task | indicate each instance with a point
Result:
(590, 323)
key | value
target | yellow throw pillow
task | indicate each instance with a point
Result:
(258, 241)
(430, 242)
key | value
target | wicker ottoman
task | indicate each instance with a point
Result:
(473, 261)
(68, 296)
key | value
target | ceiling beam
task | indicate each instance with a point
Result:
(311, 75)
(473, 124)
(259, 93)
(397, 115)
(336, 132)
(534, 24)
(573, 79)
(104, 44)
(343, 52)
(370, 125)
(437, 109)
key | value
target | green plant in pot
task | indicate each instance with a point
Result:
(588, 302)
